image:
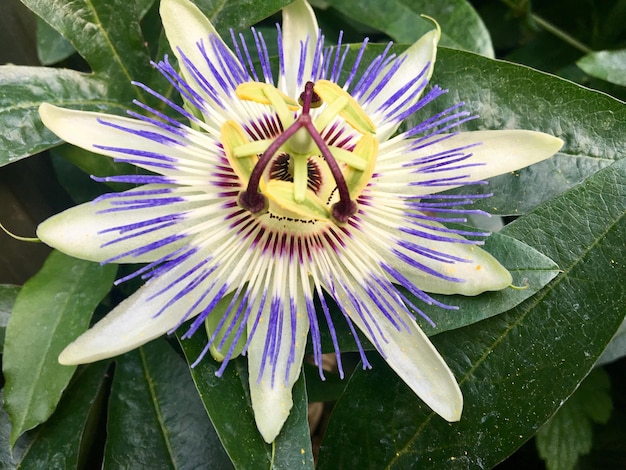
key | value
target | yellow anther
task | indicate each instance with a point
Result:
(232, 137)
(264, 93)
(352, 159)
(332, 110)
(257, 92)
(281, 193)
(351, 111)
(251, 148)
(357, 180)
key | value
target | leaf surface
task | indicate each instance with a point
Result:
(227, 401)
(51, 310)
(402, 20)
(156, 419)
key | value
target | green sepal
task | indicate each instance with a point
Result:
(218, 323)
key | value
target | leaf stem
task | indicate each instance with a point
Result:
(17, 237)
(559, 33)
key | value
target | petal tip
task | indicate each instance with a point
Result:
(73, 356)
(452, 409)
(49, 113)
(66, 358)
(270, 415)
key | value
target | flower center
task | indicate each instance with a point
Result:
(304, 156)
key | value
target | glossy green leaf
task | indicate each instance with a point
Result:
(508, 96)
(568, 434)
(51, 46)
(10, 457)
(156, 419)
(461, 27)
(105, 32)
(59, 442)
(74, 181)
(143, 6)
(96, 165)
(515, 369)
(238, 15)
(616, 348)
(24, 89)
(607, 65)
(50, 311)
(227, 401)
(8, 293)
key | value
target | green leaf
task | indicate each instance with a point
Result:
(461, 27)
(515, 369)
(227, 401)
(50, 311)
(24, 89)
(616, 348)
(607, 65)
(8, 293)
(51, 46)
(74, 181)
(143, 6)
(105, 32)
(569, 433)
(508, 96)
(96, 165)
(59, 442)
(238, 15)
(156, 419)
(10, 457)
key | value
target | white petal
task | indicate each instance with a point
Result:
(478, 272)
(410, 353)
(299, 28)
(84, 231)
(420, 55)
(133, 322)
(499, 152)
(86, 130)
(185, 25)
(272, 402)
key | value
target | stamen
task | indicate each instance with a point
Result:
(252, 200)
